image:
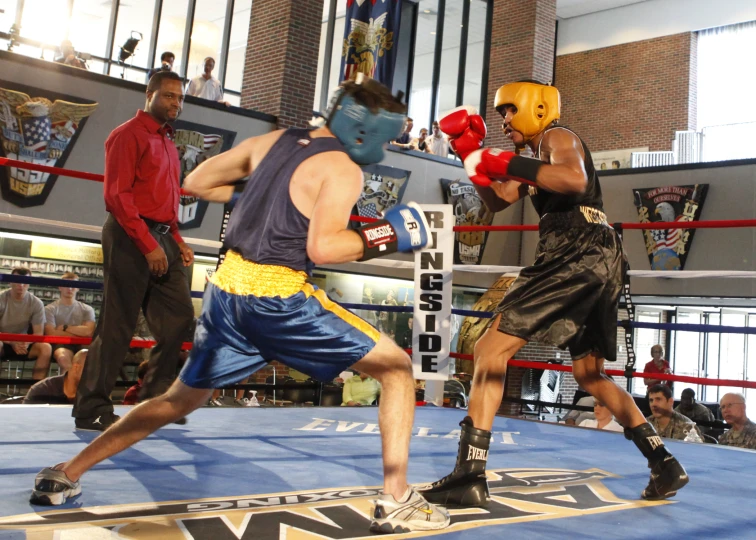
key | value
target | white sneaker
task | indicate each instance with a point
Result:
(52, 488)
(414, 514)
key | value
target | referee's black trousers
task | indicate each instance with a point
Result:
(128, 286)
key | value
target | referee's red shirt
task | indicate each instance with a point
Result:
(142, 178)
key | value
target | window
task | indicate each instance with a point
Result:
(88, 30)
(687, 348)
(476, 35)
(335, 78)
(134, 16)
(422, 22)
(447, 86)
(750, 393)
(207, 34)
(7, 14)
(732, 352)
(728, 131)
(237, 46)
(45, 21)
(643, 340)
(171, 34)
(322, 63)
(711, 360)
(422, 72)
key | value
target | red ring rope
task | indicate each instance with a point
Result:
(60, 171)
(620, 373)
(710, 224)
(65, 340)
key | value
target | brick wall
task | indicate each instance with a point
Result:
(631, 95)
(281, 62)
(522, 47)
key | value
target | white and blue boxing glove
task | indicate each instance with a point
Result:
(403, 228)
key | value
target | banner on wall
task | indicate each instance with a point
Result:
(468, 210)
(382, 188)
(41, 127)
(196, 143)
(431, 333)
(370, 34)
(668, 248)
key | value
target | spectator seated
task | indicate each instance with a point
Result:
(60, 389)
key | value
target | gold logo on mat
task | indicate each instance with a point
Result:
(517, 495)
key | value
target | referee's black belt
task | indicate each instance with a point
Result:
(581, 216)
(160, 228)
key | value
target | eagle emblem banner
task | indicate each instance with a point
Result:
(468, 210)
(668, 248)
(370, 34)
(382, 188)
(195, 144)
(40, 130)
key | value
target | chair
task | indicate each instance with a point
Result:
(294, 393)
(709, 439)
(274, 395)
(331, 395)
(454, 392)
(530, 390)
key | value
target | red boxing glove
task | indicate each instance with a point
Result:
(489, 164)
(466, 130)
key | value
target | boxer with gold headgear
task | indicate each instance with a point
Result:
(528, 108)
(567, 298)
(537, 107)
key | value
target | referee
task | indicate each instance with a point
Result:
(143, 255)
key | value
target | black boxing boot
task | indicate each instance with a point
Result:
(467, 484)
(667, 475)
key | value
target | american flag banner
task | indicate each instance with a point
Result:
(368, 210)
(36, 130)
(371, 31)
(668, 248)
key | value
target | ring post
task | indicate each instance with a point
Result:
(431, 329)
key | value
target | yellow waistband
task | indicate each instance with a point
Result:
(239, 276)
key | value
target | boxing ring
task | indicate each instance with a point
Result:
(310, 473)
(307, 473)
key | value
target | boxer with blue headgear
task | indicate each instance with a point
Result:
(363, 127)
(301, 185)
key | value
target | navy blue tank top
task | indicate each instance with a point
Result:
(265, 227)
(547, 201)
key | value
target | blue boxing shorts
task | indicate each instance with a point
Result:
(290, 321)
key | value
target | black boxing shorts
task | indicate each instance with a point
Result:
(569, 296)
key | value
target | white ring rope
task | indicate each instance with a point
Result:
(514, 270)
(90, 228)
(408, 265)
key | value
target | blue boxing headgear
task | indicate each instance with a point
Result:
(362, 131)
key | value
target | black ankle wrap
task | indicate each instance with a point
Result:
(648, 442)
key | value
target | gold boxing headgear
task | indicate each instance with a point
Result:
(538, 105)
